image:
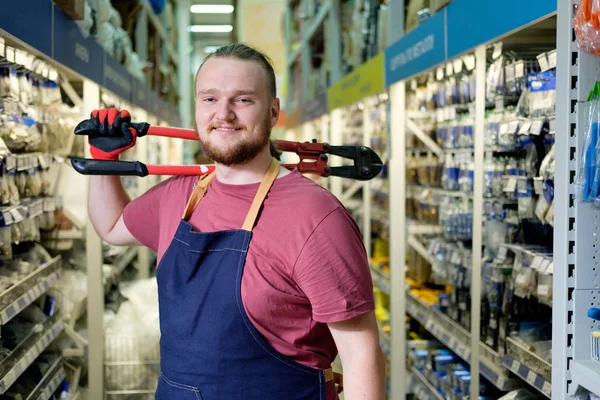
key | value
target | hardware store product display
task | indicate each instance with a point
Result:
(462, 136)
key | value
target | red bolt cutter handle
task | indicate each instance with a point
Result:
(369, 163)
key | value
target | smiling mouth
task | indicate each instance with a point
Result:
(226, 129)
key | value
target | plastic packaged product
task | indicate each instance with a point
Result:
(6, 241)
(21, 182)
(588, 178)
(587, 26)
(85, 24)
(34, 183)
(450, 175)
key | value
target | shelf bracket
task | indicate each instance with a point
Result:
(71, 93)
(422, 136)
(79, 340)
(415, 244)
(347, 195)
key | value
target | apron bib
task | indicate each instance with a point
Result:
(210, 350)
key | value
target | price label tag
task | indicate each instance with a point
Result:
(53, 74)
(551, 55)
(538, 185)
(543, 61)
(525, 127)
(497, 50)
(511, 184)
(544, 266)
(449, 69)
(2, 47)
(16, 215)
(502, 253)
(29, 63)
(550, 268)
(8, 219)
(536, 127)
(11, 162)
(440, 74)
(470, 62)
(509, 72)
(458, 66)
(552, 126)
(513, 127)
(519, 69)
(537, 263)
(531, 378)
(10, 54)
(500, 103)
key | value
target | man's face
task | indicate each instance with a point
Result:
(234, 111)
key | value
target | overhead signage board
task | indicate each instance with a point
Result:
(419, 50)
(28, 21)
(71, 49)
(366, 80)
(475, 22)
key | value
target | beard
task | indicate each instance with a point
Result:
(240, 152)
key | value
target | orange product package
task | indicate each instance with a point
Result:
(587, 26)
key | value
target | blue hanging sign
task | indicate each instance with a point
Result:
(30, 21)
(71, 49)
(475, 22)
(116, 78)
(419, 50)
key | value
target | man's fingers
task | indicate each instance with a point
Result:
(112, 114)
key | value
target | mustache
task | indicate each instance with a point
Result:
(216, 125)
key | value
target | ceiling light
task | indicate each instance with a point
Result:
(211, 9)
(210, 28)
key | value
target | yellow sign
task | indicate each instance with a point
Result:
(366, 80)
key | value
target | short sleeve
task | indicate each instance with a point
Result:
(333, 270)
(142, 215)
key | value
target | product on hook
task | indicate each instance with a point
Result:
(367, 164)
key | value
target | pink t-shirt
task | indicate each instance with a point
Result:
(306, 265)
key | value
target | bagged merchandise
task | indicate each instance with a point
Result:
(588, 178)
(105, 36)
(133, 335)
(85, 25)
(587, 26)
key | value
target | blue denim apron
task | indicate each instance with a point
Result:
(210, 350)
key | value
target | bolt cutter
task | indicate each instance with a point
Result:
(367, 164)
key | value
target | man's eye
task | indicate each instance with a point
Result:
(244, 100)
(209, 99)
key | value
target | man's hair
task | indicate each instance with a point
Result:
(243, 52)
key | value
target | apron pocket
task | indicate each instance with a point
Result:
(167, 390)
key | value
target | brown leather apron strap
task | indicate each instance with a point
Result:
(205, 180)
(197, 194)
(261, 193)
(338, 379)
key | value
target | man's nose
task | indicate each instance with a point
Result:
(225, 111)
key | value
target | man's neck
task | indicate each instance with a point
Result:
(250, 172)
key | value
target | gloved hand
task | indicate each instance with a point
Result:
(110, 133)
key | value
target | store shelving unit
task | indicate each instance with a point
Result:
(90, 79)
(440, 42)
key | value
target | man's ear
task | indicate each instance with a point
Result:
(275, 110)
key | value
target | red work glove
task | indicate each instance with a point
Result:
(110, 133)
